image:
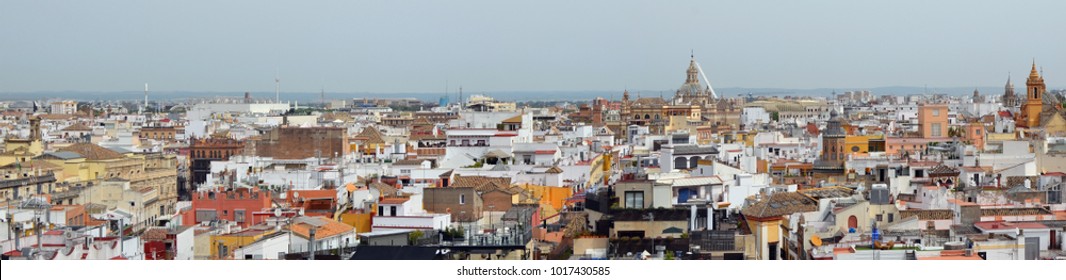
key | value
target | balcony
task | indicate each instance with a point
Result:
(26, 181)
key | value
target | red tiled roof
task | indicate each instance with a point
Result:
(394, 200)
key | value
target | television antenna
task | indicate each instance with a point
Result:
(277, 87)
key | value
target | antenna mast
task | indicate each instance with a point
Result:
(277, 87)
(145, 97)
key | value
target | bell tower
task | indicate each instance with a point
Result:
(1034, 99)
(1009, 99)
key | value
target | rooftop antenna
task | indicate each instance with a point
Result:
(145, 97)
(277, 87)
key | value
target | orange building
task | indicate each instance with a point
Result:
(237, 205)
(975, 134)
(315, 203)
(933, 120)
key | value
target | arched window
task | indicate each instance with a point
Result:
(647, 117)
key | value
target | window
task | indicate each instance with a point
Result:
(462, 199)
(205, 215)
(936, 130)
(392, 210)
(238, 216)
(634, 199)
(880, 217)
(890, 217)
(381, 210)
(527, 159)
(936, 112)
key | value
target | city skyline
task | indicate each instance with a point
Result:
(345, 47)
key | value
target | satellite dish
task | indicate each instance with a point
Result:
(295, 194)
(301, 211)
(816, 241)
(277, 212)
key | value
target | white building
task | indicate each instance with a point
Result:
(66, 107)
(754, 116)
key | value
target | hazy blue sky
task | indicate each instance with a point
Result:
(416, 46)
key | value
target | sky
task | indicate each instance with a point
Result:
(485, 46)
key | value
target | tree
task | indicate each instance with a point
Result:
(413, 238)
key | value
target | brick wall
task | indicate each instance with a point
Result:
(445, 200)
(303, 142)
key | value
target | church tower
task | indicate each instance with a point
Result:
(1034, 99)
(692, 72)
(1009, 99)
(833, 156)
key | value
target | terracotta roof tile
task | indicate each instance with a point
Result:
(92, 151)
(1015, 211)
(780, 204)
(480, 182)
(943, 170)
(939, 214)
(371, 135)
(328, 228)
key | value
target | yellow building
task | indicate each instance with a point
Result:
(1000, 137)
(1056, 125)
(86, 162)
(546, 195)
(222, 246)
(90, 162)
(859, 144)
(22, 150)
(360, 221)
(684, 124)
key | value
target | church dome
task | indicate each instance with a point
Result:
(690, 89)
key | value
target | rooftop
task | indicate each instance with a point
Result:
(780, 204)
